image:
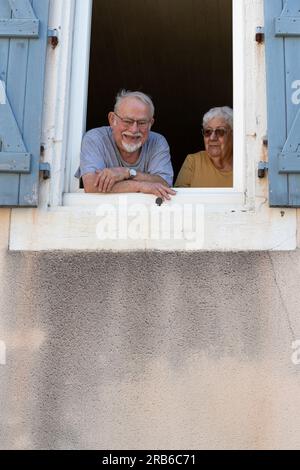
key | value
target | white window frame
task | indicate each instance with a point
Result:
(78, 107)
(78, 90)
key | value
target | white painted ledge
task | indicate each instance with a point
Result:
(193, 220)
(211, 196)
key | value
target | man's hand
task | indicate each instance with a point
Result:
(157, 189)
(107, 178)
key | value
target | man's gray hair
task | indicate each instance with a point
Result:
(223, 112)
(134, 94)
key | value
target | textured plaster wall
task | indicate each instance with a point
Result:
(298, 228)
(149, 350)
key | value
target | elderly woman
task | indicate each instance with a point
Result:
(211, 168)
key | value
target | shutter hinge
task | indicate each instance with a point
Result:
(53, 37)
(260, 34)
(262, 168)
(45, 169)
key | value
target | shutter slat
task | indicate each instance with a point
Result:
(21, 9)
(10, 134)
(288, 26)
(17, 77)
(33, 105)
(9, 183)
(14, 162)
(4, 43)
(19, 28)
(292, 74)
(289, 159)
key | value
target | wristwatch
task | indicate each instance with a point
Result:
(132, 173)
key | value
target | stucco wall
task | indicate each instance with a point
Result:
(298, 228)
(149, 350)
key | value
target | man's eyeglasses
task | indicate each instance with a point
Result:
(141, 123)
(219, 132)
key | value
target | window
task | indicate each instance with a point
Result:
(182, 58)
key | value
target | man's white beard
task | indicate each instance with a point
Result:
(131, 148)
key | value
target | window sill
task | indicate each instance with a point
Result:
(212, 197)
(193, 220)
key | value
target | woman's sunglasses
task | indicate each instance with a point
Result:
(219, 132)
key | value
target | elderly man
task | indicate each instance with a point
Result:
(127, 157)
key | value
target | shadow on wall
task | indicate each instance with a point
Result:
(100, 321)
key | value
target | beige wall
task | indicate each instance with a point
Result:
(298, 228)
(149, 350)
(4, 227)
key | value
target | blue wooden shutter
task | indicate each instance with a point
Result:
(23, 40)
(282, 33)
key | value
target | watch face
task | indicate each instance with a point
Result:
(132, 172)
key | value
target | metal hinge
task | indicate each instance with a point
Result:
(262, 168)
(45, 169)
(260, 35)
(53, 37)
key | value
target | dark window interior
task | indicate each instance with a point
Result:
(177, 51)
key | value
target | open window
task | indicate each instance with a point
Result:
(179, 52)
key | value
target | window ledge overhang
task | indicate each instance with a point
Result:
(192, 220)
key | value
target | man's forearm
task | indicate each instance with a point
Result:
(150, 178)
(127, 186)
